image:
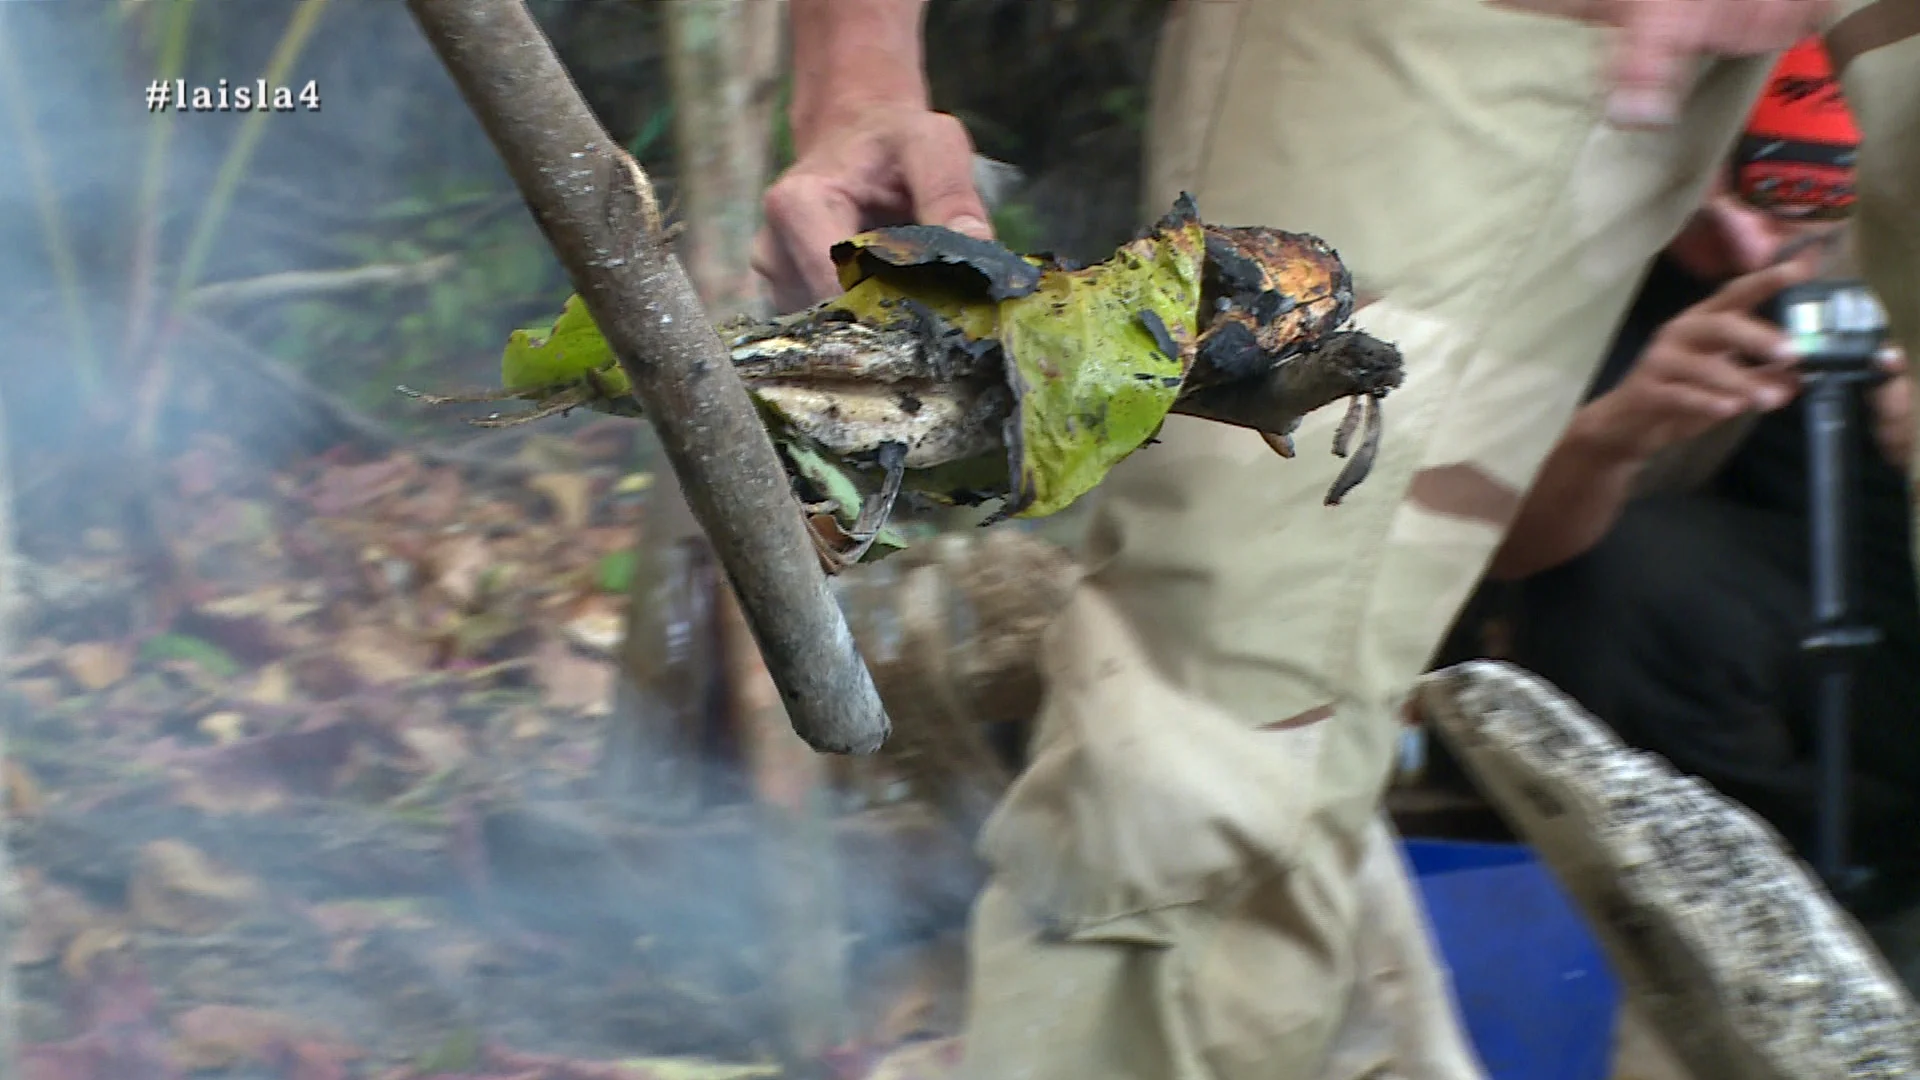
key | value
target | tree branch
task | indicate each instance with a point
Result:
(307, 284)
(597, 208)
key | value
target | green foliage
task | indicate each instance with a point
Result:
(658, 126)
(501, 267)
(460, 1052)
(1093, 379)
(1126, 106)
(833, 481)
(616, 570)
(1018, 226)
(1095, 359)
(780, 154)
(562, 355)
(203, 654)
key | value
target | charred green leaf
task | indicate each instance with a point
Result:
(1075, 349)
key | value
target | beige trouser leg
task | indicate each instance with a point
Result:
(1400, 1019)
(1177, 887)
(1878, 44)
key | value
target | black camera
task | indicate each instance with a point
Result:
(1836, 325)
(1838, 329)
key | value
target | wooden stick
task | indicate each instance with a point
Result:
(597, 208)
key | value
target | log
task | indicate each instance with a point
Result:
(1744, 963)
(596, 206)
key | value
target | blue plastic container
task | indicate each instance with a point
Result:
(1534, 987)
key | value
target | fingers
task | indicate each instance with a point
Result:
(1749, 291)
(1650, 59)
(1762, 389)
(890, 165)
(784, 281)
(1729, 334)
(1653, 57)
(806, 216)
(1693, 409)
(1893, 419)
(936, 165)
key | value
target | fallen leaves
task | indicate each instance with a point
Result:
(571, 681)
(96, 665)
(569, 494)
(177, 887)
(494, 1062)
(259, 774)
(377, 654)
(363, 654)
(222, 1036)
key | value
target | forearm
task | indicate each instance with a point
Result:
(851, 53)
(1576, 498)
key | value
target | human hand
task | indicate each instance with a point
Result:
(1709, 364)
(1893, 409)
(885, 164)
(1658, 41)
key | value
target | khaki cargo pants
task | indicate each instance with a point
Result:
(1191, 880)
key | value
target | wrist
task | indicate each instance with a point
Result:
(1599, 434)
(851, 57)
(813, 115)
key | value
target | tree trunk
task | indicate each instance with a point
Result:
(724, 61)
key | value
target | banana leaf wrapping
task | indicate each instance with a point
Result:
(958, 371)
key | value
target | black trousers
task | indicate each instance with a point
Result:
(1682, 631)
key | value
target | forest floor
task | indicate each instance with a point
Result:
(328, 804)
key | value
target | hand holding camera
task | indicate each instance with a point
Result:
(1709, 364)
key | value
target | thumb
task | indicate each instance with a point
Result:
(936, 162)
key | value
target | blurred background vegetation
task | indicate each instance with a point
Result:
(240, 542)
(416, 253)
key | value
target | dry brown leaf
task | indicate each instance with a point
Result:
(274, 603)
(438, 500)
(571, 681)
(272, 685)
(89, 945)
(602, 540)
(348, 487)
(546, 453)
(222, 1036)
(460, 568)
(54, 915)
(597, 627)
(24, 797)
(438, 746)
(96, 665)
(254, 775)
(569, 494)
(223, 727)
(209, 797)
(177, 887)
(377, 654)
(40, 693)
(528, 724)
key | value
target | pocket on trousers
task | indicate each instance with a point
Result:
(1141, 796)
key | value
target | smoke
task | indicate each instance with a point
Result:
(274, 625)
